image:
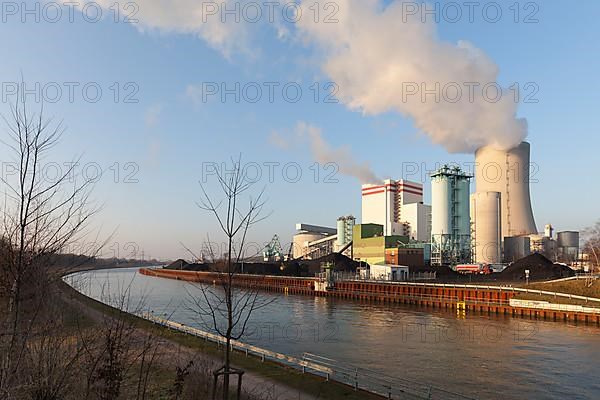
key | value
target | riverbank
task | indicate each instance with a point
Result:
(265, 379)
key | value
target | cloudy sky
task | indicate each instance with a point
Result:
(156, 94)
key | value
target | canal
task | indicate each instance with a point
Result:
(481, 356)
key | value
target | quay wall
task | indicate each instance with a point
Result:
(462, 298)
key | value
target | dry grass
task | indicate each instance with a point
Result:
(579, 287)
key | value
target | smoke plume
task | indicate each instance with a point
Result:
(323, 153)
(377, 55)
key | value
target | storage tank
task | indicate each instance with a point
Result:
(516, 247)
(507, 172)
(301, 240)
(450, 217)
(486, 221)
(568, 246)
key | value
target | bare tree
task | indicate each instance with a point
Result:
(226, 308)
(591, 245)
(40, 216)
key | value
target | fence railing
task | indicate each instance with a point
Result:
(358, 378)
(384, 385)
(544, 305)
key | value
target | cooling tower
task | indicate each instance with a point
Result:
(487, 223)
(507, 172)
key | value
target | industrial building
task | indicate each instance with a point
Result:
(417, 217)
(492, 226)
(384, 272)
(312, 241)
(450, 217)
(544, 243)
(384, 204)
(415, 255)
(370, 245)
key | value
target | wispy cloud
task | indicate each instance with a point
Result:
(152, 115)
(306, 134)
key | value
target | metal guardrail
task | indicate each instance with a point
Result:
(237, 345)
(574, 278)
(358, 378)
(376, 382)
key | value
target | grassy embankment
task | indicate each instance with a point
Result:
(304, 383)
(579, 287)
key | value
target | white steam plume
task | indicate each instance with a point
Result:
(323, 153)
(374, 53)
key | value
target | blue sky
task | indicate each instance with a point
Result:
(170, 132)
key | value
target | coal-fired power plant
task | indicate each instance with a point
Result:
(507, 173)
(484, 230)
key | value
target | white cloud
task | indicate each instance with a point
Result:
(279, 141)
(185, 17)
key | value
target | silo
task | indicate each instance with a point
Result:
(507, 172)
(516, 247)
(487, 222)
(341, 232)
(450, 217)
(301, 241)
(345, 225)
(441, 205)
(568, 246)
(463, 207)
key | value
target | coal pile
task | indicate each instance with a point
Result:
(183, 265)
(340, 263)
(540, 268)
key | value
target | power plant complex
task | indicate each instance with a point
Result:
(493, 225)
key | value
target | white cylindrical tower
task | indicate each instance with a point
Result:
(441, 210)
(487, 222)
(507, 172)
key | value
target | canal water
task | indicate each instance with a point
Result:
(481, 356)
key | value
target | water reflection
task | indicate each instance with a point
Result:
(488, 357)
